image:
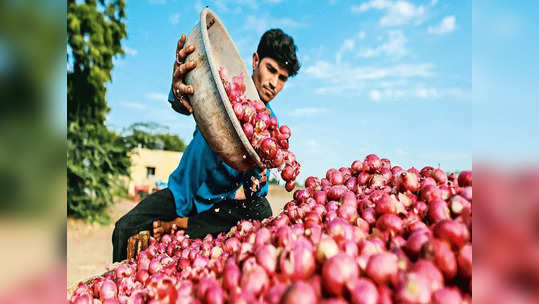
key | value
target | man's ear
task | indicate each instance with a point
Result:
(255, 60)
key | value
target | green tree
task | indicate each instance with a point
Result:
(95, 154)
(151, 135)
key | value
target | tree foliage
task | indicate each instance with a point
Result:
(151, 135)
(95, 154)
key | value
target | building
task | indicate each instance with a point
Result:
(150, 170)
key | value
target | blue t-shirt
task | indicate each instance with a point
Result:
(202, 179)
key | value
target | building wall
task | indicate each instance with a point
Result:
(164, 163)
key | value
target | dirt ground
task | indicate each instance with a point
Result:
(89, 246)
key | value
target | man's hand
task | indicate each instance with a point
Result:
(163, 227)
(179, 88)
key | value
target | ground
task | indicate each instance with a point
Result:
(89, 246)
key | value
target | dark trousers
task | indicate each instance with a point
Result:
(160, 206)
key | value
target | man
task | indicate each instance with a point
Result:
(204, 194)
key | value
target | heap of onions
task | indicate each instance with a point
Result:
(368, 233)
(268, 139)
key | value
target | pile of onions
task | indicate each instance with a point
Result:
(268, 139)
(368, 233)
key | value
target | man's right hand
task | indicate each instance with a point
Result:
(179, 88)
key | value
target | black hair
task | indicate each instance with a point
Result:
(280, 47)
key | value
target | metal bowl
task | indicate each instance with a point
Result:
(211, 108)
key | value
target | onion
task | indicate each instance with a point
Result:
(439, 176)
(465, 260)
(266, 256)
(413, 288)
(438, 211)
(339, 229)
(466, 192)
(440, 253)
(385, 295)
(285, 130)
(430, 193)
(372, 163)
(452, 231)
(362, 291)
(336, 178)
(389, 222)
(215, 295)
(415, 242)
(275, 293)
(348, 212)
(357, 166)
(446, 296)
(299, 293)
(382, 268)
(297, 261)
(108, 290)
(408, 181)
(428, 270)
(336, 271)
(465, 178)
(326, 248)
(231, 276)
(254, 280)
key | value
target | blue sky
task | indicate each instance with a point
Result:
(387, 77)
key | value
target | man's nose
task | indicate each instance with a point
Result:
(273, 82)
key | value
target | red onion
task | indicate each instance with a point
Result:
(465, 178)
(299, 293)
(415, 242)
(266, 256)
(428, 270)
(297, 261)
(357, 166)
(254, 280)
(430, 193)
(382, 268)
(440, 253)
(348, 212)
(446, 296)
(465, 260)
(438, 211)
(362, 291)
(336, 271)
(389, 222)
(413, 288)
(452, 231)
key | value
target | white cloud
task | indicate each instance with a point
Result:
(307, 112)
(133, 105)
(375, 95)
(447, 25)
(157, 1)
(426, 93)
(348, 45)
(130, 51)
(156, 96)
(260, 24)
(395, 46)
(433, 2)
(362, 35)
(175, 18)
(396, 12)
(340, 73)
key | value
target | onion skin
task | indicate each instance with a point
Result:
(336, 271)
(465, 260)
(362, 291)
(446, 296)
(440, 253)
(453, 232)
(428, 270)
(465, 178)
(382, 268)
(299, 293)
(415, 241)
(412, 289)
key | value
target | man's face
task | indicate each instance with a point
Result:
(269, 77)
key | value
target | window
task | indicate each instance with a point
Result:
(150, 171)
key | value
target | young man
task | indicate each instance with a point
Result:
(204, 194)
